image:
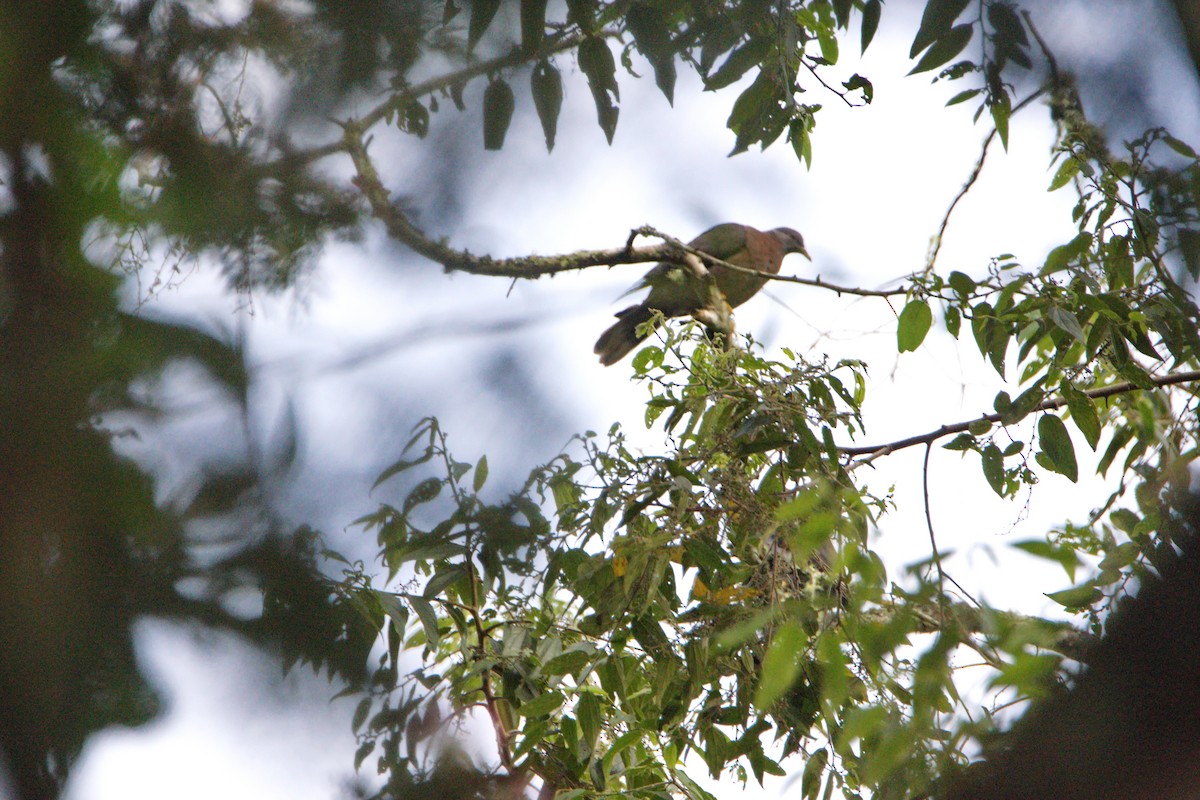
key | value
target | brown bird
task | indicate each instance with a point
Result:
(676, 293)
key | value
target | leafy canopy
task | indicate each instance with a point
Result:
(624, 618)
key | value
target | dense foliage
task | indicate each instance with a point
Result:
(626, 618)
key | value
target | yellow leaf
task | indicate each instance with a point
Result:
(733, 594)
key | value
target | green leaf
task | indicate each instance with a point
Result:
(859, 83)
(543, 704)
(962, 284)
(870, 22)
(1056, 445)
(360, 714)
(393, 607)
(1063, 555)
(814, 770)
(429, 621)
(498, 105)
(1067, 321)
(1189, 247)
(962, 442)
(993, 468)
(841, 11)
(1083, 413)
(424, 492)
(693, 790)
(1077, 597)
(829, 46)
(481, 473)
(1001, 108)
(597, 63)
(935, 22)
(915, 321)
(583, 13)
(547, 90)
(944, 49)
(953, 320)
(587, 711)
(801, 144)
(962, 96)
(760, 113)
(1066, 171)
(364, 750)
(737, 63)
(414, 118)
(482, 14)
(653, 39)
(1180, 147)
(446, 575)
(1120, 439)
(533, 24)
(780, 666)
(800, 506)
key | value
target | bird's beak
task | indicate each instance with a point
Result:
(804, 253)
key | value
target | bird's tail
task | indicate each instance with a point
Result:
(616, 342)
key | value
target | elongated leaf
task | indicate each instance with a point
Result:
(870, 22)
(481, 473)
(541, 705)
(939, 16)
(498, 105)
(653, 38)
(1078, 597)
(1062, 256)
(1066, 171)
(588, 713)
(1056, 445)
(423, 492)
(1182, 148)
(1064, 555)
(482, 14)
(915, 320)
(993, 468)
(546, 87)
(533, 24)
(945, 48)
(1067, 321)
(597, 63)
(1001, 108)
(750, 54)
(583, 13)
(1083, 413)
(963, 96)
(780, 666)
(428, 619)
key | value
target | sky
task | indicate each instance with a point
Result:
(377, 338)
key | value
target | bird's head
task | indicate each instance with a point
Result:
(791, 240)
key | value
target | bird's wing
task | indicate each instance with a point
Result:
(726, 241)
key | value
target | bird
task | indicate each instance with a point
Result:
(676, 293)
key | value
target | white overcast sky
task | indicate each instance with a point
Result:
(378, 338)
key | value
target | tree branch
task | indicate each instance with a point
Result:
(399, 96)
(400, 228)
(875, 451)
(938, 616)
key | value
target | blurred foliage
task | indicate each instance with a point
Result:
(623, 617)
(717, 605)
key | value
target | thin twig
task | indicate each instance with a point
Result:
(937, 556)
(873, 452)
(400, 228)
(936, 246)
